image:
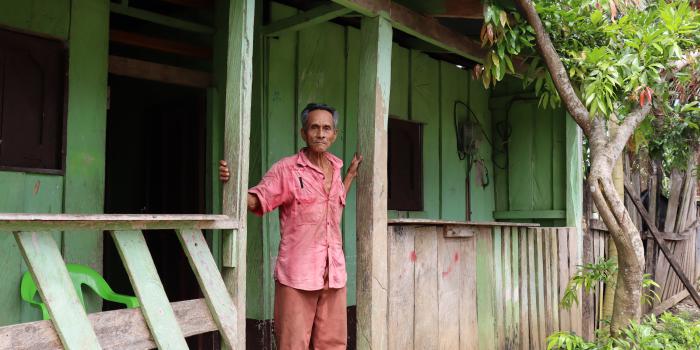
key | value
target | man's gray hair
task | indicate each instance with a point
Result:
(316, 106)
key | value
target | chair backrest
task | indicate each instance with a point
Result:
(80, 275)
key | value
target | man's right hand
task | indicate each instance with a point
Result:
(224, 173)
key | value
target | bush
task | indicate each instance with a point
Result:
(668, 332)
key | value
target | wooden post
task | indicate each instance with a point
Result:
(372, 274)
(239, 75)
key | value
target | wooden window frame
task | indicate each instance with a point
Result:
(63, 138)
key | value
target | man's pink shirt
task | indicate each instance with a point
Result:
(309, 221)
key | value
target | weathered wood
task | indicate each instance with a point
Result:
(535, 341)
(320, 14)
(375, 58)
(541, 288)
(144, 278)
(574, 262)
(515, 263)
(239, 75)
(408, 221)
(554, 278)
(498, 277)
(524, 290)
(529, 214)
(509, 336)
(654, 231)
(468, 328)
(158, 18)
(423, 27)
(549, 302)
(124, 329)
(211, 283)
(134, 68)
(448, 285)
(485, 290)
(455, 231)
(426, 327)
(402, 264)
(563, 250)
(670, 302)
(56, 290)
(159, 44)
(74, 222)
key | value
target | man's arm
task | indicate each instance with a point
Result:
(225, 175)
(352, 172)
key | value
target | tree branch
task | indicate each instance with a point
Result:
(626, 129)
(556, 69)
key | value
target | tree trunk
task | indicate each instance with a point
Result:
(628, 289)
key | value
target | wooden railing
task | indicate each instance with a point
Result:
(479, 285)
(157, 323)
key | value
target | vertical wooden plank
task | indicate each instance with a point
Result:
(482, 197)
(573, 267)
(402, 263)
(448, 283)
(468, 327)
(372, 278)
(426, 296)
(509, 337)
(541, 163)
(56, 289)
(144, 278)
(85, 130)
(559, 135)
(239, 74)
(563, 250)
(520, 156)
(546, 281)
(485, 289)
(425, 108)
(541, 312)
(532, 298)
(352, 90)
(515, 265)
(210, 282)
(524, 290)
(554, 278)
(498, 287)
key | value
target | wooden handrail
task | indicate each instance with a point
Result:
(62, 222)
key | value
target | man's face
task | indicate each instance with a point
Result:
(319, 133)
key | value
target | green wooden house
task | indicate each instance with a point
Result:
(114, 114)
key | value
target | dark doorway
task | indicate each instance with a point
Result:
(155, 164)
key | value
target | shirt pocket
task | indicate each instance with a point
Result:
(308, 204)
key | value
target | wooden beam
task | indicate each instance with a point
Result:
(670, 302)
(421, 26)
(56, 289)
(191, 3)
(149, 289)
(157, 18)
(159, 44)
(373, 118)
(320, 14)
(657, 237)
(419, 222)
(124, 329)
(131, 67)
(529, 214)
(239, 76)
(63, 222)
(212, 285)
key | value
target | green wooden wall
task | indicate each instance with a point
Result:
(83, 24)
(321, 64)
(530, 156)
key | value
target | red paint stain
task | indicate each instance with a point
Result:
(455, 259)
(412, 256)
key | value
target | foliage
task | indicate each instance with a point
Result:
(667, 332)
(619, 54)
(588, 276)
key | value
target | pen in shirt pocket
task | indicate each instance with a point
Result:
(301, 182)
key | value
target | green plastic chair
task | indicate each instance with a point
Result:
(80, 275)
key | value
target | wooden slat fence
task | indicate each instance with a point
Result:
(595, 249)
(157, 323)
(485, 287)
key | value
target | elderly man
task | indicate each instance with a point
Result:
(310, 295)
